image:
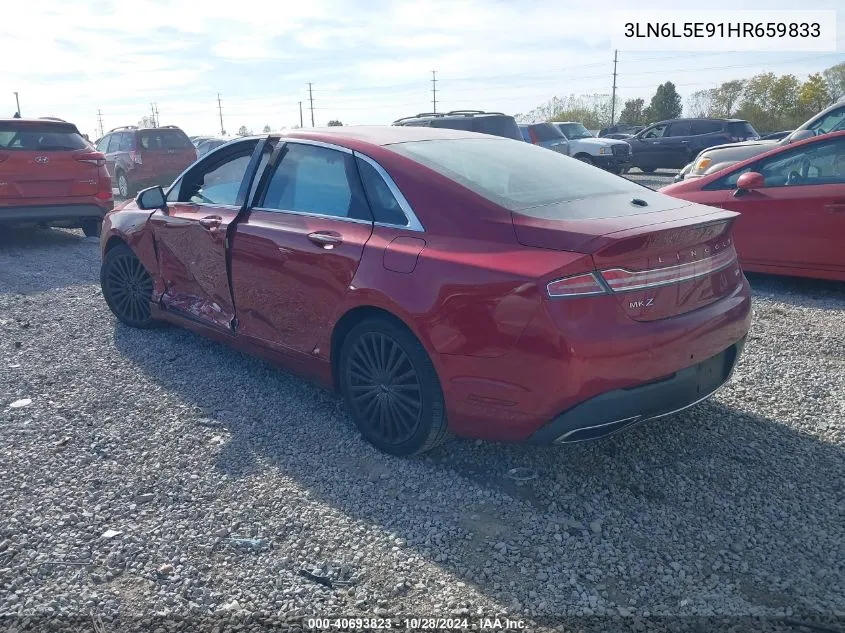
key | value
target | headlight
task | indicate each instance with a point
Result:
(702, 164)
(604, 150)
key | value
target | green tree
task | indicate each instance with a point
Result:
(335, 123)
(834, 77)
(632, 112)
(813, 95)
(726, 98)
(665, 104)
(267, 129)
(244, 131)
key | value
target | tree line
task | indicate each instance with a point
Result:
(768, 101)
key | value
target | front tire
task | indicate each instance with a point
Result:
(648, 170)
(584, 158)
(391, 388)
(127, 287)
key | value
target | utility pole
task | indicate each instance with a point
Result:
(18, 103)
(301, 125)
(220, 110)
(100, 119)
(434, 90)
(311, 99)
(153, 113)
(158, 121)
(613, 96)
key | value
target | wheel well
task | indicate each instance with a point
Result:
(349, 321)
(113, 241)
(583, 154)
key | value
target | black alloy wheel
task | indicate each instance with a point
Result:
(391, 388)
(127, 287)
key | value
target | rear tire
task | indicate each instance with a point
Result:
(648, 170)
(92, 228)
(391, 388)
(123, 187)
(127, 287)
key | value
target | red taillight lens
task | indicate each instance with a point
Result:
(95, 158)
(621, 280)
(576, 286)
(135, 157)
(533, 136)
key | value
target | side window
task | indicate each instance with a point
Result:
(127, 141)
(654, 132)
(681, 128)
(103, 144)
(816, 164)
(706, 127)
(383, 203)
(219, 181)
(832, 122)
(114, 142)
(319, 180)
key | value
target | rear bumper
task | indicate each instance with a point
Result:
(615, 410)
(64, 214)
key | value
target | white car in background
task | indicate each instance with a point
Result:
(609, 154)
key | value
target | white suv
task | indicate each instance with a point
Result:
(609, 154)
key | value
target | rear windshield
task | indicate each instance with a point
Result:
(164, 139)
(742, 128)
(40, 137)
(517, 176)
(546, 132)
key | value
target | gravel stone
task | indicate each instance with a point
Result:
(732, 507)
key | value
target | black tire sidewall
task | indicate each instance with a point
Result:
(92, 228)
(433, 417)
(118, 252)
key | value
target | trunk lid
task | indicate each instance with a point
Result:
(661, 260)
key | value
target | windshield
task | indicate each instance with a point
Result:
(164, 139)
(832, 122)
(517, 176)
(574, 130)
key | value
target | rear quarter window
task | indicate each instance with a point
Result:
(742, 129)
(504, 126)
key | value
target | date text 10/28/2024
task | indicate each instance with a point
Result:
(414, 624)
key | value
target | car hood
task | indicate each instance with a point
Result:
(744, 146)
(596, 142)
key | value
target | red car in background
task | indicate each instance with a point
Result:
(441, 280)
(791, 202)
(51, 176)
(139, 158)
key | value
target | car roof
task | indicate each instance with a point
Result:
(43, 121)
(376, 134)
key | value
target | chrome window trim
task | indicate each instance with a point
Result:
(414, 223)
(310, 214)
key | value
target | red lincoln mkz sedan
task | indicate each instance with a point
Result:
(442, 281)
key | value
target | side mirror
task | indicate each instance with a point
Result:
(800, 135)
(749, 181)
(151, 199)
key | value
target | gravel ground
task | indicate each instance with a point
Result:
(156, 475)
(660, 178)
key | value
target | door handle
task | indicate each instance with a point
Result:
(211, 222)
(327, 240)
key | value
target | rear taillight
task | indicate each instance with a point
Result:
(621, 280)
(95, 158)
(533, 136)
(576, 286)
(135, 157)
(104, 187)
